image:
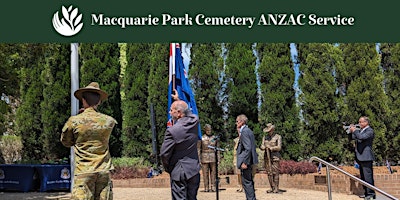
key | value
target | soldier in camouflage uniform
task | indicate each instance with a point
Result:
(272, 144)
(88, 133)
(207, 158)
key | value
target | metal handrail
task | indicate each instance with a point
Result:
(328, 165)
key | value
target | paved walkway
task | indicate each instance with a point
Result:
(164, 194)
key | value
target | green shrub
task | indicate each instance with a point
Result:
(137, 162)
(11, 148)
(127, 168)
(226, 163)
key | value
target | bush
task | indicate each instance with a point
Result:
(126, 168)
(138, 162)
(291, 167)
(226, 163)
(129, 172)
(11, 148)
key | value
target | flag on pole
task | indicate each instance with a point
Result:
(389, 167)
(178, 72)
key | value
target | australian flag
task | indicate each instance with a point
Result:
(177, 70)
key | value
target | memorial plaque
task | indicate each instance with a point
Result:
(320, 180)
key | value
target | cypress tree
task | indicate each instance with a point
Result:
(9, 66)
(205, 68)
(100, 63)
(361, 82)
(241, 88)
(390, 63)
(55, 107)
(278, 104)
(28, 118)
(158, 88)
(136, 130)
(318, 100)
(8, 82)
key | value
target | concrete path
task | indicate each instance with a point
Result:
(165, 194)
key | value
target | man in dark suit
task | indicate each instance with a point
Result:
(246, 155)
(364, 155)
(179, 152)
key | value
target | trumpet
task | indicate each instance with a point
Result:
(347, 127)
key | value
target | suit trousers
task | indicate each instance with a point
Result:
(367, 175)
(185, 189)
(248, 183)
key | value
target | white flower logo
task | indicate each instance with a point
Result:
(70, 24)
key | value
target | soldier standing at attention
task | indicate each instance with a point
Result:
(207, 158)
(89, 133)
(272, 144)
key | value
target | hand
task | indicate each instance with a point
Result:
(243, 166)
(352, 128)
(81, 110)
(175, 96)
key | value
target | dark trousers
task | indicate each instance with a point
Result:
(367, 175)
(248, 183)
(186, 189)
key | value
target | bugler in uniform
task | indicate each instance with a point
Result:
(88, 133)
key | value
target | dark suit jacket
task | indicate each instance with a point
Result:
(179, 149)
(364, 144)
(246, 151)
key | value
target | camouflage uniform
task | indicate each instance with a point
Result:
(274, 144)
(89, 134)
(207, 160)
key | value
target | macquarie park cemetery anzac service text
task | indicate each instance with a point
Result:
(280, 19)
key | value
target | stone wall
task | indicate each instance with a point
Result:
(390, 183)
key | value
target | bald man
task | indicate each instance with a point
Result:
(179, 152)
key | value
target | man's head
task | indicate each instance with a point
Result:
(241, 120)
(178, 109)
(363, 121)
(91, 95)
(207, 129)
(269, 129)
(90, 99)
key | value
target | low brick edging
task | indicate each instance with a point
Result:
(390, 183)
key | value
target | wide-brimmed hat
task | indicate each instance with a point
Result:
(269, 127)
(92, 87)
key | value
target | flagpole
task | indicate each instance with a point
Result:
(173, 48)
(74, 101)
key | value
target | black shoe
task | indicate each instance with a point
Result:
(362, 196)
(370, 197)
